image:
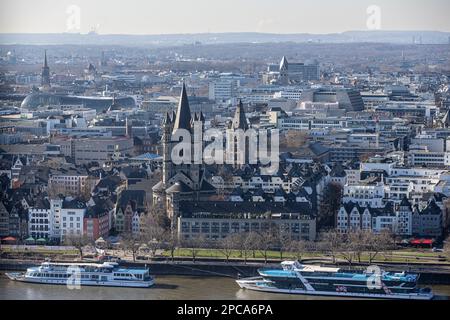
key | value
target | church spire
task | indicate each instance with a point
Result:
(183, 116)
(283, 63)
(239, 120)
(45, 74)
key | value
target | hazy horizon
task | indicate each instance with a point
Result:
(159, 17)
(224, 32)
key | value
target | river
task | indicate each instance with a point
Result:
(166, 288)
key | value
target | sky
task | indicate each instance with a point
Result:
(200, 16)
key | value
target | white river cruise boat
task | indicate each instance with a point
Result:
(296, 278)
(85, 274)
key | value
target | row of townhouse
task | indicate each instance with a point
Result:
(267, 183)
(401, 219)
(57, 219)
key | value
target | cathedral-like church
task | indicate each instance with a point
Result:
(183, 181)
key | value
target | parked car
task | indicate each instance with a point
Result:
(437, 249)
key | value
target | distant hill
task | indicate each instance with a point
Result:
(398, 37)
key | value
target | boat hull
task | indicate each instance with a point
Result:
(261, 285)
(20, 277)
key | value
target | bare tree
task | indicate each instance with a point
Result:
(152, 233)
(377, 243)
(347, 252)
(246, 242)
(249, 242)
(158, 216)
(265, 242)
(132, 243)
(357, 241)
(283, 239)
(194, 244)
(171, 242)
(331, 242)
(228, 244)
(77, 241)
(298, 248)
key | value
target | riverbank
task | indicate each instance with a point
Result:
(206, 268)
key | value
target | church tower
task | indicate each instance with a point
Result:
(239, 122)
(45, 74)
(184, 181)
(284, 67)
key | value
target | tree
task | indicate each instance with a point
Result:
(357, 241)
(377, 243)
(159, 217)
(331, 242)
(152, 233)
(132, 243)
(250, 242)
(347, 252)
(228, 244)
(283, 240)
(77, 241)
(265, 242)
(332, 195)
(298, 248)
(194, 244)
(171, 241)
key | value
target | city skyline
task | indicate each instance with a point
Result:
(175, 17)
(224, 150)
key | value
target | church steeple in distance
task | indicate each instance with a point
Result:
(45, 75)
(183, 116)
(283, 64)
(239, 120)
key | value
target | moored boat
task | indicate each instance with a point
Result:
(296, 278)
(85, 274)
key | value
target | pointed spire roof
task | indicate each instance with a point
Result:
(45, 59)
(239, 120)
(283, 63)
(183, 116)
